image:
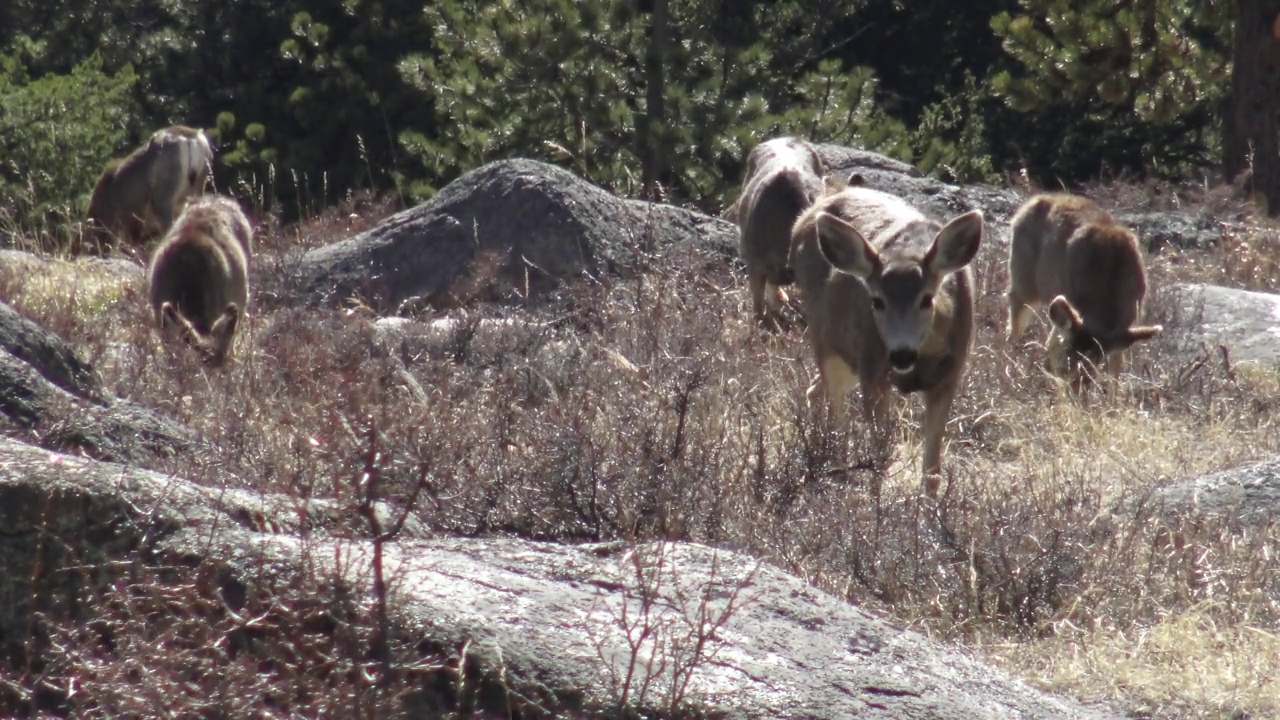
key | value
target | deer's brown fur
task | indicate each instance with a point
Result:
(889, 299)
(138, 196)
(784, 177)
(1070, 255)
(199, 276)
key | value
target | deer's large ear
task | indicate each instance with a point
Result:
(956, 244)
(817, 165)
(1064, 316)
(1131, 335)
(845, 248)
(222, 334)
(168, 315)
(833, 183)
(174, 324)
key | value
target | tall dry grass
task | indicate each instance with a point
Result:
(652, 408)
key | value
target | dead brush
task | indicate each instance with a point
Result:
(1251, 258)
(1044, 545)
(188, 638)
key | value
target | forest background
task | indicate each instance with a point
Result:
(310, 101)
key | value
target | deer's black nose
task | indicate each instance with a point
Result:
(903, 360)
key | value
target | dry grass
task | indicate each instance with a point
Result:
(1186, 665)
(653, 409)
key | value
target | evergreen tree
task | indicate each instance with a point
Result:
(1142, 80)
(925, 52)
(304, 94)
(567, 80)
(56, 134)
(509, 77)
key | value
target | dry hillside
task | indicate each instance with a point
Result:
(649, 407)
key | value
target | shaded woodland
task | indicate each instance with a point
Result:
(312, 100)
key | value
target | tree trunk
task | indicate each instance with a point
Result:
(1250, 132)
(653, 153)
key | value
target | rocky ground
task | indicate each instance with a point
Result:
(98, 490)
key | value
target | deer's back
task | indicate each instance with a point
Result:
(1068, 245)
(202, 264)
(1106, 280)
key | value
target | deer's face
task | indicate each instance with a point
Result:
(1075, 352)
(903, 306)
(904, 291)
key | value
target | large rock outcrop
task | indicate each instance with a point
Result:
(519, 228)
(514, 227)
(548, 623)
(1245, 323)
(49, 395)
(942, 200)
(1246, 496)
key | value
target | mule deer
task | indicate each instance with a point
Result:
(199, 276)
(889, 298)
(1071, 255)
(784, 177)
(137, 197)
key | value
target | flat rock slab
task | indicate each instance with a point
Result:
(47, 354)
(1246, 323)
(773, 646)
(560, 627)
(1185, 231)
(942, 201)
(936, 199)
(1248, 495)
(840, 157)
(116, 270)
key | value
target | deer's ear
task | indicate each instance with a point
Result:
(833, 183)
(168, 315)
(221, 335)
(1064, 316)
(845, 248)
(956, 244)
(1131, 335)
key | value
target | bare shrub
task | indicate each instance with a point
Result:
(669, 621)
(646, 409)
(187, 641)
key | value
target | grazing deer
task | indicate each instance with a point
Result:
(889, 298)
(784, 177)
(1071, 255)
(138, 196)
(199, 276)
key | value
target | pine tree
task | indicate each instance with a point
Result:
(570, 80)
(530, 78)
(1146, 76)
(56, 133)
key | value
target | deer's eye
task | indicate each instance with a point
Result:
(926, 302)
(877, 304)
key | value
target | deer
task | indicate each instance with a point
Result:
(784, 177)
(1069, 254)
(889, 297)
(138, 196)
(199, 276)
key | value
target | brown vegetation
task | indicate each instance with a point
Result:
(1039, 549)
